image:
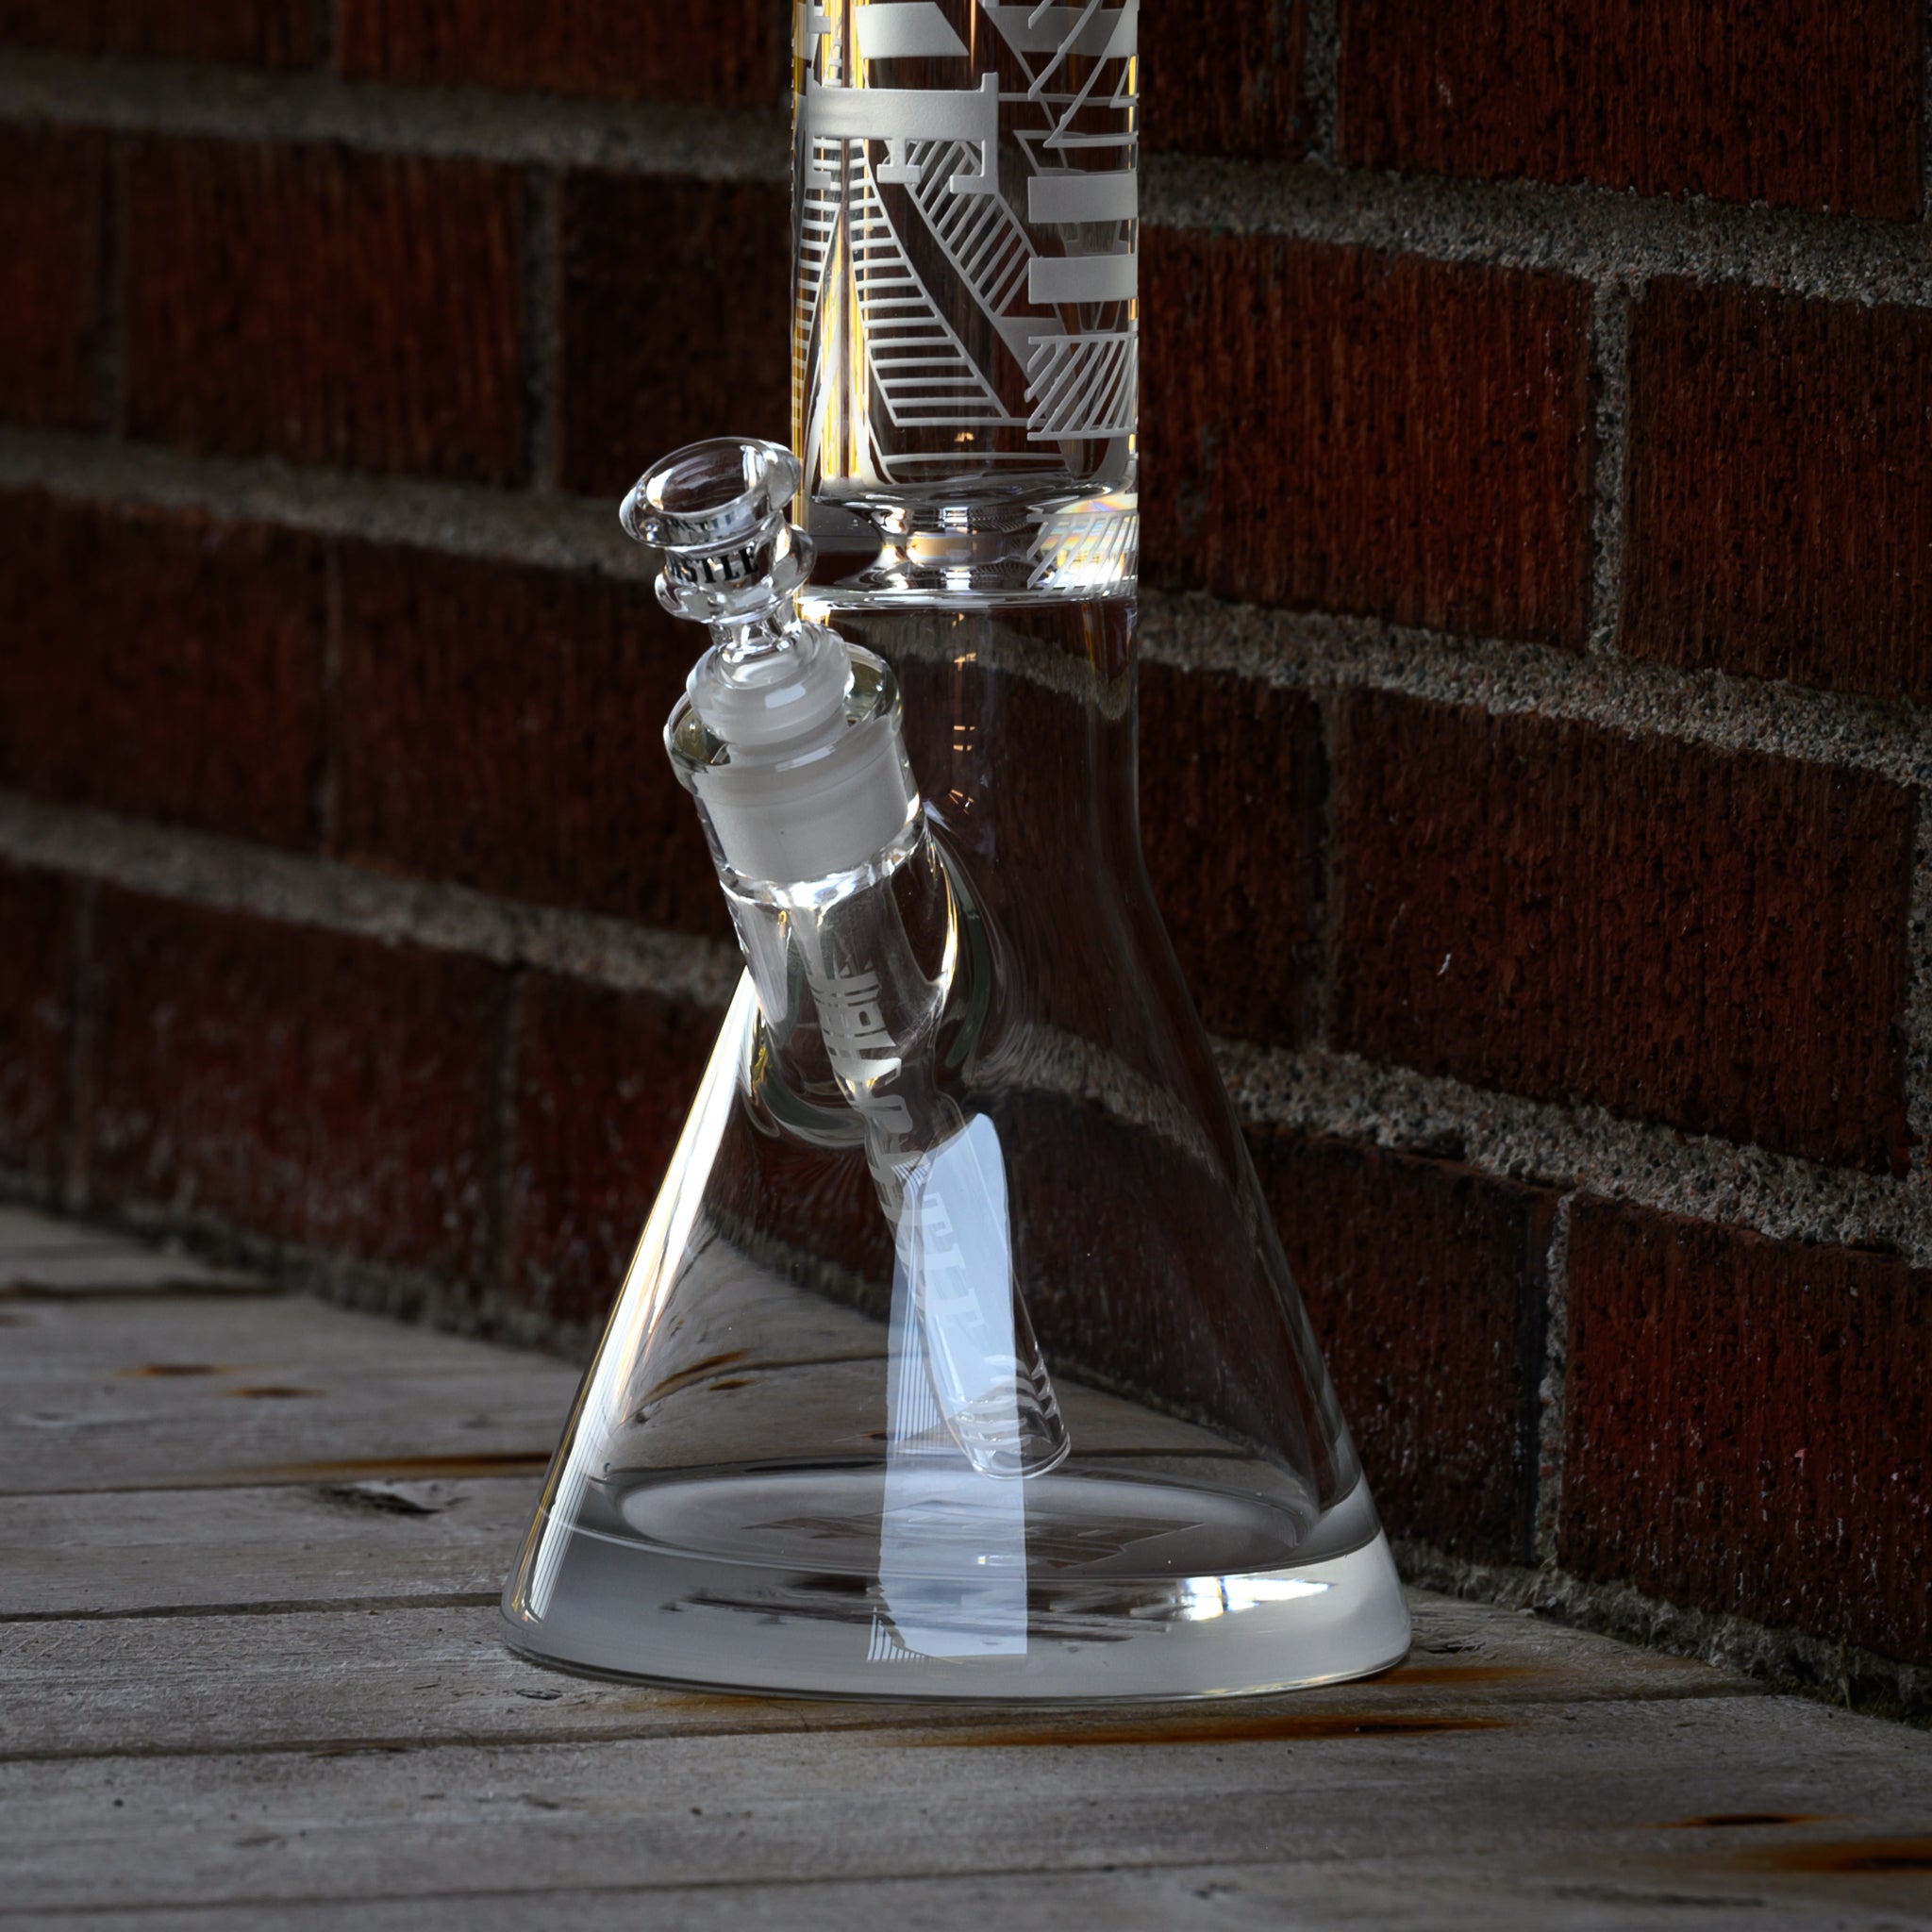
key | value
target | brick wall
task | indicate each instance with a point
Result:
(1538, 525)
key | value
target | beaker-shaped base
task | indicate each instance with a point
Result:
(757, 1490)
(1090, 1587)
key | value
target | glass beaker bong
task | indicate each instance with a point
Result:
(958, 1358)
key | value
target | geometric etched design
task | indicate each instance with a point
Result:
(979, 233)
(1083, 551)
(918, 365)
(907, 29)
(966, 211)
(1084, 385)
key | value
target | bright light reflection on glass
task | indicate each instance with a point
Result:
(1216, 1596)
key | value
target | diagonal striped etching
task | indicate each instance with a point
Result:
(919, 366)
(1083, 385)
(1082, 549)
(985, 244)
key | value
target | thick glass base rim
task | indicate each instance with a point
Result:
(1362, 1633)
(518, 1643)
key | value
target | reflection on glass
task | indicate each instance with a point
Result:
(953, 1534)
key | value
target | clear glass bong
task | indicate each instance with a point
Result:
(958, 1358)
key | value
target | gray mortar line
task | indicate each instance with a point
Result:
(199, 868)
(464, 520)
(1552, 1388)
(1789, 1659)
(1597, 234)
(1316, 1090)
(1609, 356)
(174, 98)
(1320, 57)
(549, 530)
(203, 869)
(1315, 651)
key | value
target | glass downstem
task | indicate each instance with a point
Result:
(940, 1177)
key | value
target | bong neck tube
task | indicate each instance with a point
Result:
(965, 340)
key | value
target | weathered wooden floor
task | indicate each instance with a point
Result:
(250, 1547)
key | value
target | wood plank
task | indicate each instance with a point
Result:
(216, 1391)
(142, 1551)
(41, 1256)
(1717, 1893)
(398, 1673)
(1585, 1791)
(52, 1343)
(116, 1273)
(28, 1231)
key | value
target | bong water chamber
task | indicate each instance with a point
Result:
(958, 1358)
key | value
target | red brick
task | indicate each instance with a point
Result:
(736, 55)
(604, 1081)
(1223, 79)
(1009, 741)
(673, 322)
(36, 975)
(50, 219)
(1779, 507)
(1716, 940)
(1812, 104)
(503, 726)
(1338, 431)
(328, 1090)
(1139, 1278)
(1426, 1285)
(256, 33)
(1231, 796)
(329, 307)
(164, 662)
(1750, 1427)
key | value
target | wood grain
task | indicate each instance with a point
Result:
(197, 1391)
(250, 1674)
(390, 1670)
(1580, 1794)
(138, 1552)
